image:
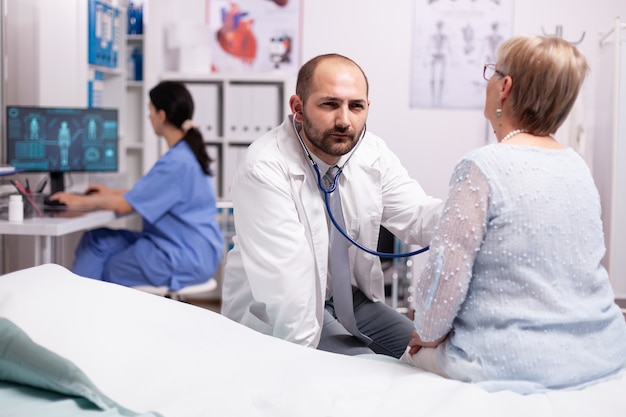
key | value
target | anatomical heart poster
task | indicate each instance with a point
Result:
(255, 36)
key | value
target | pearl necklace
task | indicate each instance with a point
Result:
(513, 133)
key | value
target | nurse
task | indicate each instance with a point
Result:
(181, 242)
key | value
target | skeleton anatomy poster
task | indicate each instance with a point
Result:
(452, 40)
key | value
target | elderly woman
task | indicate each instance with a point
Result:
(513, 295)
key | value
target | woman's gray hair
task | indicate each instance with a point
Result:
(547, 74)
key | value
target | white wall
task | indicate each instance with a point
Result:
(45, 69)
(429, 142)
(609, 167)
(378, 36)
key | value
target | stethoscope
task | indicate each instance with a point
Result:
(333, 187)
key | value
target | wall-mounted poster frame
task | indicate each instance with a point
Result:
(452, 40)
(255, 36)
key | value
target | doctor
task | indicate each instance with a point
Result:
(277, 278)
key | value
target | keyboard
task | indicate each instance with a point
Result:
(52, 203)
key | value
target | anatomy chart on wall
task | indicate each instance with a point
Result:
(254, 35)
(452, 40)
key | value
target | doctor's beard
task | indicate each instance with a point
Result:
(324, 140)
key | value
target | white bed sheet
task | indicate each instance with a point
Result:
(153, 354)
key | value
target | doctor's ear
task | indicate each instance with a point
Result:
(296, 107)
(298, 114)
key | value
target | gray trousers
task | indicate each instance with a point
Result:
(389, 330)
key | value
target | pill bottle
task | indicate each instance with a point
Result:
(16, 208)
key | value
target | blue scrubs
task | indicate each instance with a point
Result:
(181, 242)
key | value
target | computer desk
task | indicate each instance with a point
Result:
(50, 227)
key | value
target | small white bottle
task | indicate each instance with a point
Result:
(16, 208)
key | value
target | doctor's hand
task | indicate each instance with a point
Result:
(416, 343)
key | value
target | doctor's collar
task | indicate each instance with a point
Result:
(323, 166)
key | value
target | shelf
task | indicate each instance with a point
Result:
(134, 38)
(133, 146)
(106, 70)
(133, 150)
(264, 77)
(233, 110)
(134, 84)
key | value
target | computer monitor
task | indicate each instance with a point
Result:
(61, 140)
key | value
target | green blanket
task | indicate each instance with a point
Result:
(37, 382)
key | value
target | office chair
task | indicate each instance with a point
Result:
(212, 288)
(398, 273)
(209, 290)
(179, 295)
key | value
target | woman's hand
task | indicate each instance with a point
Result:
(96, 196)
(103, 190)
(73, 200)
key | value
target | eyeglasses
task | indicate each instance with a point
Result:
(489, 70)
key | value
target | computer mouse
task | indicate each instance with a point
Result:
(91, 191)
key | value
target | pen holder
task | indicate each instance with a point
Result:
(30, 201)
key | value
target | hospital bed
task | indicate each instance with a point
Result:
(71, 346)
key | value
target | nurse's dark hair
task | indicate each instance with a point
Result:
(175, 100)
(304, 83)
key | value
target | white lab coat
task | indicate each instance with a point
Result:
(275, 276)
